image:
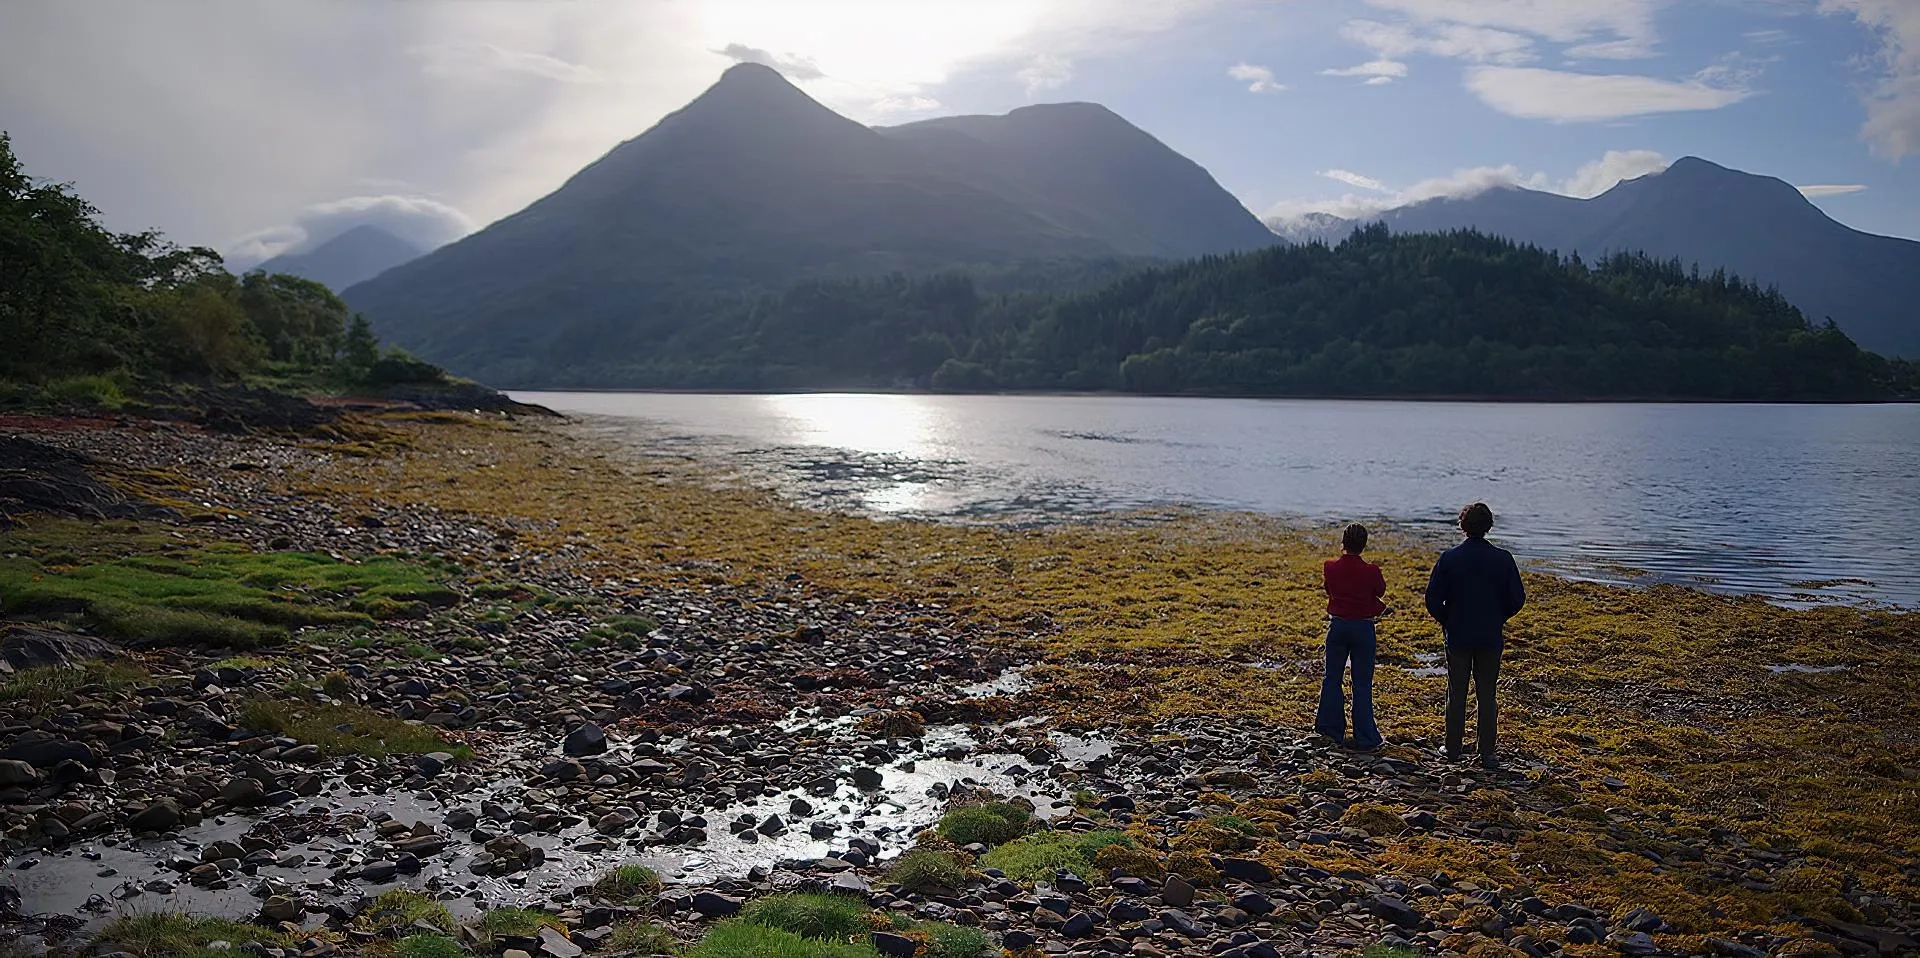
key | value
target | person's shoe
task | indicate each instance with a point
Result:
(1453, 756)
(1490, 763)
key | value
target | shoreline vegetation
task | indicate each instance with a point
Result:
(1670, 794)
(1454, 314)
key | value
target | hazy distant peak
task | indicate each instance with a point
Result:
(747, 73)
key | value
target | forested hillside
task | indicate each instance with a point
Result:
(87, 314)
(1461, 314)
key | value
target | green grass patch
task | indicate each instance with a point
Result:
(346, 729)
(643, 938)
(1236, 823)
(243, 662)
(742, 939)
(1038, 856)
(627, 883)
(991, 824)
(56, 683)
(169, 593)
(167, 934)
(98, 392)
(428, 946)
(836, 917)
(518, 922)
(921, 869)
(399, 910)
(1387, 951)
(946, 940)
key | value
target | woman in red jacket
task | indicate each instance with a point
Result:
(1354, 587)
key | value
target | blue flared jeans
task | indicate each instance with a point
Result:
(1349, 640)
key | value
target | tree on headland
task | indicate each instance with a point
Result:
(79, 300)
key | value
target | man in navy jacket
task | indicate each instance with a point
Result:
(1474, 589)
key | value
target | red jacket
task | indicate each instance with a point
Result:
(1354, 588)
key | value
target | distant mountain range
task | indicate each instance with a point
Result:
(754, 186)
(1758, 227)
(358, 254)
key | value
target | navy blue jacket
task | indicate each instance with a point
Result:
(1474, 589)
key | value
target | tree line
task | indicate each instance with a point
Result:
(81, 302)
(1459, 314)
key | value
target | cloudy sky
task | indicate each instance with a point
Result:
(254, 125)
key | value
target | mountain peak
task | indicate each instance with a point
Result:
(1693, 166)
(746, 72)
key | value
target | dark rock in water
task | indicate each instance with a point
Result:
(715, 905)
(376, 872)
(588, 739)
(41, 750)
(161, 816)
(866, 777)
(1394, 910)
(894, 946)
(279, 908)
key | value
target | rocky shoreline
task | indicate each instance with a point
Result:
(739, 735)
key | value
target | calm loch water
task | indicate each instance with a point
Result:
(1789, 501)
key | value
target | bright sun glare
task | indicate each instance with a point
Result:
(890, 425)
(884, 46)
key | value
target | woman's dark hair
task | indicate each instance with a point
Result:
(1354, 540)
(1476, 520)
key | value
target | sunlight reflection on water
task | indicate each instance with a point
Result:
(1802, 503)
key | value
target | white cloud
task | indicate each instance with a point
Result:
(1539, 94)
(1590, 180)
(1609, 50)
(1392, 41)
(793, 66)
(1046, 72)
(1816, 190)
(422, 221)
(1259, 79)
(1625, 27)
(476, 61)
(1601, 175)
(1355, 179)
(1892, 128)
(1376, 71)
(897, 105)
(1771, 36)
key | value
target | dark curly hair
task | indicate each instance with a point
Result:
(1476, 519)
(1354, 540)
